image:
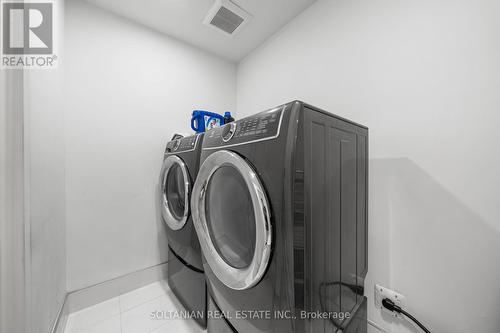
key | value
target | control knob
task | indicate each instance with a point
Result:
(228, 131)
(177, 143)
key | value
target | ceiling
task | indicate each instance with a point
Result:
(183, 19)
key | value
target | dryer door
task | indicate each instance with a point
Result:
(232, 218)
(175, 190)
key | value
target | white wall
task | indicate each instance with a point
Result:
(44, 145)
(32, 197)
(13, 307)
(424, 77)
(127, 90)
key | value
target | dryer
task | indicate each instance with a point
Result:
(185, 268)
(280, 209)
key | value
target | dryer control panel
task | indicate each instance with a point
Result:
(188, 143)
(259, 127)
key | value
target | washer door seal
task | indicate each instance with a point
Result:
(174, 220)
(238, 278)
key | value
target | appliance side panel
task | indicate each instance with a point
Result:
(319, 251)
(323, 231)
(362, 210)
(334, 218)
(342, 170)
(299, 230)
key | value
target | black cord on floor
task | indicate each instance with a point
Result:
(389, 305)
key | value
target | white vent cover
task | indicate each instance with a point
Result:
(227, 17)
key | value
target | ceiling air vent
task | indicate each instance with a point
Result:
(227, 17)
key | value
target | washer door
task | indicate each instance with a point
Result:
(232, 219)
(175, 190)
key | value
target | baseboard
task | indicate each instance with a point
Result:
(376, 327)
(82, 298)
(62, 317)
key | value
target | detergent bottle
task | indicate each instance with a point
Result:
(228, 118)
(202, 121)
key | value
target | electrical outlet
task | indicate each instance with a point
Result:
(397, 298)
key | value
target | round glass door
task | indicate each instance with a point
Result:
(175, 190)
(232, 218)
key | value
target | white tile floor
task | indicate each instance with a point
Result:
(131, 313)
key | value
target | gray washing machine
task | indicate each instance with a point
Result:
(185, 269)
(280, 209)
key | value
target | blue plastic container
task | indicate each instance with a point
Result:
(202, 121)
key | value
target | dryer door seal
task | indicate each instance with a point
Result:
(175, 190)
(232, 219)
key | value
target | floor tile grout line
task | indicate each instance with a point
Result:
(137, 305)
(86, 328)
(166, 323)
(143, 304)
(157, 328)
(100, 321)
(164, 294)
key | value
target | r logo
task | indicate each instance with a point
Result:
(27, 28)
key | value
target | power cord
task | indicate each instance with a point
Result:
(389, 305)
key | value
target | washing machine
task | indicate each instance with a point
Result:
(280, 209)
(185, 269)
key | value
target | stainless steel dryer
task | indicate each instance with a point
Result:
(185, 268)
(280, 208)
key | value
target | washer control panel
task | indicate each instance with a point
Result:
(258, 127)
(183, 144)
